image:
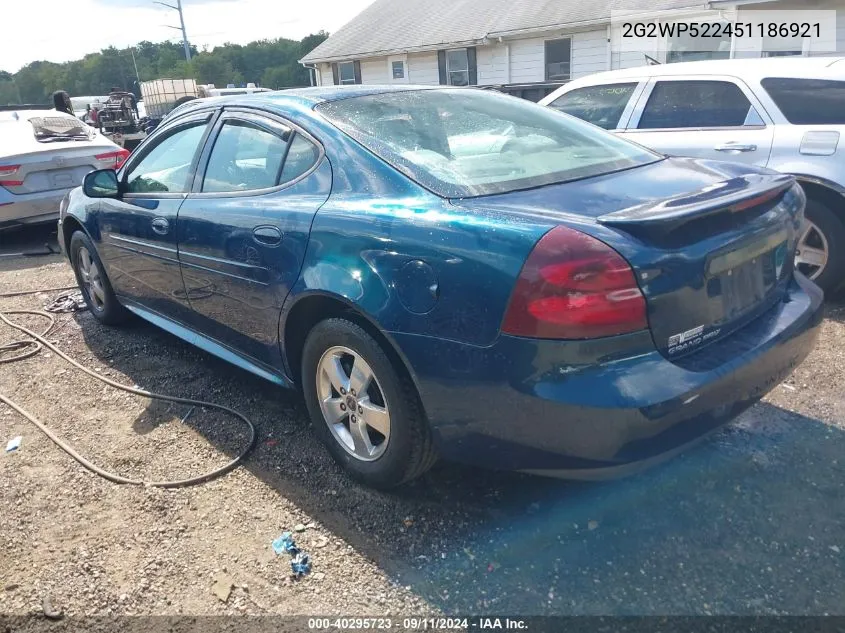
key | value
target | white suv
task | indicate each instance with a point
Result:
(785, 113)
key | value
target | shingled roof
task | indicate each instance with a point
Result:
(389, 26)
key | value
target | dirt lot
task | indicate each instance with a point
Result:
(749, 523)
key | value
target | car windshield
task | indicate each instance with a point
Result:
(462, 143)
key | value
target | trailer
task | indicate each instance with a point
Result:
(162, 95)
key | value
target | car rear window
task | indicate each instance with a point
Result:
(465, 142)
(808, 101)
(600, 105)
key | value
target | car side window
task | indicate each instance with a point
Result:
(697, 104)
(808, 101)
(245, 157)
(599, 105)
(302, 156)
(167, 167)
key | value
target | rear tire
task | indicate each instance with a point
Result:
(832, 230)
(93, 282)
(395, 445)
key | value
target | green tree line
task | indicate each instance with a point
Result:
(268, 63)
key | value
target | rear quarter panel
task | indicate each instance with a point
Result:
(368, 238)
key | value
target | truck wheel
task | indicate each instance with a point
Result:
(820, 254)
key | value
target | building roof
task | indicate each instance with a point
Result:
(389, 26)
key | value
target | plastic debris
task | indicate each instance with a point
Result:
(14, 444)
(300, 564)
(285, 544)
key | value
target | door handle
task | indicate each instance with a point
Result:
(161, 226)
(735, 147)
(267, 235)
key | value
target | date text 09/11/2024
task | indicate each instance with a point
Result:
(418, 624)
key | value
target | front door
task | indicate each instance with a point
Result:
(244, 229)
(715, 117)
(138, 230)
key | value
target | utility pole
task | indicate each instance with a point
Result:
(178, 8)
(135, 64)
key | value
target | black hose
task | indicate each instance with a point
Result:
(37, 341)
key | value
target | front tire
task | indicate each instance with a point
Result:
(363, 408)
(93, 282)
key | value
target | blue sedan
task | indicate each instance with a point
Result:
(455, 273)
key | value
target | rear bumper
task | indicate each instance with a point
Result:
(29, 208)
(601, 408)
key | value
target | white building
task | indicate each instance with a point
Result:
(526, 47)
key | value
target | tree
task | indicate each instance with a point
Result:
(274, 63)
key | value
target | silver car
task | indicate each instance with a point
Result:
(785, 113)
(43, 155)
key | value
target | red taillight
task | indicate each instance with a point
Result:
(5, 172)
(574, 286)
(113, 159)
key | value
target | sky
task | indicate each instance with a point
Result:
(62, 30)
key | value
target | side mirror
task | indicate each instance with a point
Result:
(101, 184)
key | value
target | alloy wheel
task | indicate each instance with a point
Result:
(92, 279)
(812, 252)
(353, 403)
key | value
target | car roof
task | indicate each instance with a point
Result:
(805, 67)
(318, 94)
(303, 97)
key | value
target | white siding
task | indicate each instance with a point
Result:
(422, 68)
(492, 64)
(374, 71)
(840, 35)
(326, 78)
(527, 61)
(589, 53)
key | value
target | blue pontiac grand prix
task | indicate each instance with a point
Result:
(454, 273)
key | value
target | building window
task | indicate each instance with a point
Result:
(398, 69)
(558, 60)
(346, 72)
(685, 48)
(782, 53)
(457, 67)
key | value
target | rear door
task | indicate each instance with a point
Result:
(244, 228)
(715, 117)
(138, 231)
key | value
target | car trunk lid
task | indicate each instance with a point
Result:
(48, 151)
(710, 243)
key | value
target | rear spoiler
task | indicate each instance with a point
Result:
(730, 196)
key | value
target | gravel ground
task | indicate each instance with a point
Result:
(748, 523)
